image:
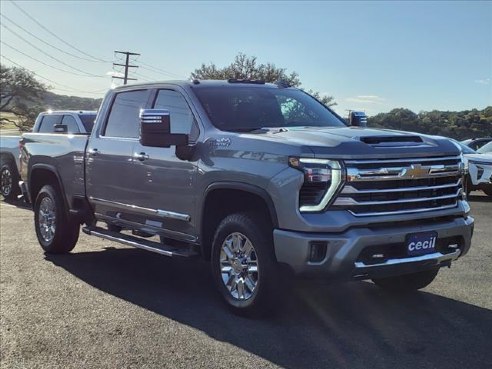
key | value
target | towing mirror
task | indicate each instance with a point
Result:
(60, 128)
(358, 119)
(155, 129)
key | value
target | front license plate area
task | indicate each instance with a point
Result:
(421, 243)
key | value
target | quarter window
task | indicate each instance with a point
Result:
(123, 120)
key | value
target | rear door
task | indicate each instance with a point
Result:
(110, 174)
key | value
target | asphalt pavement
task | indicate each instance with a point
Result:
(109, 306)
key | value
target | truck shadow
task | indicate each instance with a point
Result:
(351, 326)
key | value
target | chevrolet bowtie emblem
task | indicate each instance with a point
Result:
(415, 171)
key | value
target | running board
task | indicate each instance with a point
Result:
(137, 242)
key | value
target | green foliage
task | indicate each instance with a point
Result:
(247, 67)
(63, 102)
(20, 95)
(458, 125)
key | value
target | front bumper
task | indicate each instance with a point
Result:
(346, 252)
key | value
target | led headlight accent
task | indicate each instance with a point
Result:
(319, 171)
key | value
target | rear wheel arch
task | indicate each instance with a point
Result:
(225, 198)
(43, 174)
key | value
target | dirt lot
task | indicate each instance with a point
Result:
(108, 306)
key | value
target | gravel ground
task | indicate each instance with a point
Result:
(108, 306)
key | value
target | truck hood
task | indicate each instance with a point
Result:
(354, 142)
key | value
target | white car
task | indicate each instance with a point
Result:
(479, 165)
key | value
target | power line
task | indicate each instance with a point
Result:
(158, 70)
(145, 66)
(40, 61)
(98, 92)
(56, 36)
(52, 57)
(47, 43)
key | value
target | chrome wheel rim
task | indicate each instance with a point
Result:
(239, 266)
(47, 219)
(6, 182)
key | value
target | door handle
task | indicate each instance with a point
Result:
(141, 156)
(93, 152)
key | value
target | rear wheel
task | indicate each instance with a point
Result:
(407, 282)
(56, 232)
(244, 266)
(8, 181)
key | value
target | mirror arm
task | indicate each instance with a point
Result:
(185, 152)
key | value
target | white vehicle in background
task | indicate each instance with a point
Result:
(479, 165)
(77, 122)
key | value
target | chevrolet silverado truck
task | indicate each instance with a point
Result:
(74, 122)
(261, 180)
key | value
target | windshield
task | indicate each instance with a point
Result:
(249, 108)
(485, 149)
(88, 121)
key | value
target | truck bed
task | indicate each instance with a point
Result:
(63, 152)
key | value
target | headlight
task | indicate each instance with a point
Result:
(322, 178)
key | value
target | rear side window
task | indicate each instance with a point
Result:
(48, 123)
(123, 119)
(71, 124)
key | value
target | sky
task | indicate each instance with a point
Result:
(370, 56)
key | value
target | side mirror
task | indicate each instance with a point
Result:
(60, 128)
(155, 129)
(358, 119)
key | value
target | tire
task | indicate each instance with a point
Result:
(407, 282)
(9, 179)
(57, 234)
(251, 286)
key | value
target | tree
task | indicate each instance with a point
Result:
(247, 67)
(21, 94)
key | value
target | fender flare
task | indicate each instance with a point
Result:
(246, 187)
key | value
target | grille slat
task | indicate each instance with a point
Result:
(392, 186)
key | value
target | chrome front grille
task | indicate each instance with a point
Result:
(398, 186)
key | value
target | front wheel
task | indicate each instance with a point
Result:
(407, 282)
(244, 265)
(57, 234)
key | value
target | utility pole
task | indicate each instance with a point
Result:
(126, 65)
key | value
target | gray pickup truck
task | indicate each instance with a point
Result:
(262, 180)
(74, 122)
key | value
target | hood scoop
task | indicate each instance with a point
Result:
(392, 141)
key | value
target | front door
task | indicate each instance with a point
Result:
(166, 183)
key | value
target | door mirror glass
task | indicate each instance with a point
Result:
(155, 129)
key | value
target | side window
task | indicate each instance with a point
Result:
(48, 123)
(123, 119)
(182, 119)
(72, 126)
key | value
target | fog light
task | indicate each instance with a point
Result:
(317, 252)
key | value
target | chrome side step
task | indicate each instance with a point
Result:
(140, 243)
